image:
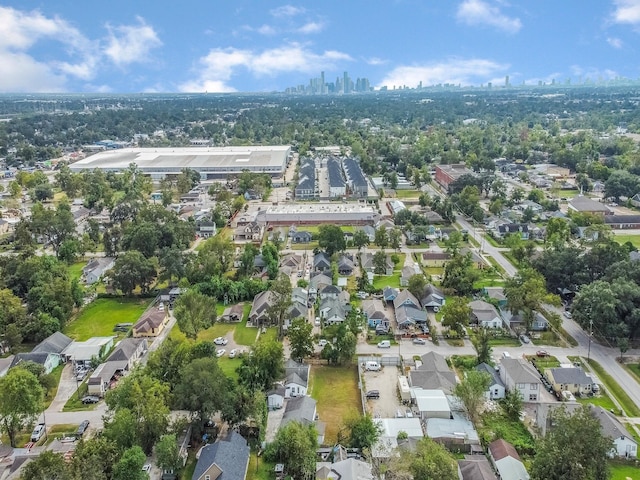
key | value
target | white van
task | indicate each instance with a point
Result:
(384, 344)
(506, 355)
(372, 366)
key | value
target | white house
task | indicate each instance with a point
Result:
(520, 376)
(485, 314)
(496, 389)
(624, 445)
(96, 268)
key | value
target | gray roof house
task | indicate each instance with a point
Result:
(496, 389)
(520, 376)
(587, 205)
(258, 314)
(515, 322)
(433, 374)
(369, 266)
(475, 467)
(96, 268)
(48, 360)
(345, 265)
(54, 343)
(226, 459)
(407, 272)
(302, 236)
(407, 315)
(572, 379)
(484, 314)
(432, 298)
(333, 310)
(405, 297)
(300, 409)
(321, 262)
(624, 444)
(507, 461)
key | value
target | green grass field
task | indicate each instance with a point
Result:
(623, 471)
(408, 194)
(622, 239)
(630, 408)
(99, 317)
(75, 270)
(601, 400)
(259, 468)
(381, 281)
(336, 391)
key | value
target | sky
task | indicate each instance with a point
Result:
(125, 46)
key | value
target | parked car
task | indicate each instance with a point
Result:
(384, 344)
(567, 314)
(38, 432)
(542, 353)
(233, 353)
(82, 428)
(322, 343)
(220, 352)
(419, 341)
(90, 399)
(361, 295)
(221, 341)
(372, 394)
(524, 338)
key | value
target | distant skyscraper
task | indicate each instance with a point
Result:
(346, 82)
(323, 85)
(506, 81)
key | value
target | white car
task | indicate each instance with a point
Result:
(322, 343)
(233, 353)
(220, 341)
(220, 352)
(567, 314)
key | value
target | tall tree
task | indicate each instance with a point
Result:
(263, 367)
(526, 293)
(482, 346)
(279, 302)
(381, 238)
(295, 446)
(46, 466)
(331, 239)
(20, 401)
(360, 239)
(129, 467)
(194, 311)
(132, 269)
(429, 461)
(417, 284)
(456, 313)
(362, 431)
(168, 453)
(471, 390)
(300, 338)
(579, 459)
(460, 274)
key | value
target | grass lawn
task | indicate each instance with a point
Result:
(630, 408)
(634, 239)
(51, 394)
(99, 317)
(229, 365)
(75, 270)
(601, 400)
(495, 264)
(22, 438)
(244, 335)
(568, 193)
(74, 403)
(218, 330)
(305, 246)
(488, 282)
(381, 281)
(314, 229)
(549, 338)
(504, 342)
(621, 470)
(634, 369)
(190, 466)
(408, 194)
(258, 469)
(544, 362)
(496, 425)
(61, 431)
(493, 241)
(336, 391)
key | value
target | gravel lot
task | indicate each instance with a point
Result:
(386, 382)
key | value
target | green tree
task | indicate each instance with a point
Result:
(120, 428)
(362, 431)
(168, 453)
(186, 180)
(360, 239)
(512, 404)
(331, 239)
(579, 459)
(42, 193)
(381, 238)
(455, 314)
(417, 284)
(20, 402)
(11, 309)
(380, 262)
(129, 467)
(429, 461)
(131, 270)
(482, 346)
(172, 264)
(471, 390)
(295, 446)
(300, 339)
(460, 274)
(263, 367)
(94, 459)
(194, 312)
(526, 293)
(279, 302)
(46, 466)
(395, 238)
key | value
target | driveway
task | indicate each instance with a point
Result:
(386, 382)
(67, 387)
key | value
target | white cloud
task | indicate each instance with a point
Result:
(218, 67)
(471, 71)
(311, 27)
(287, 11)
(375, 61)
(614, 42)
(478, 12)
(19, 72)
(626, 11)
(593, 73)
(548, 80)
(266, 30)
(131, 43)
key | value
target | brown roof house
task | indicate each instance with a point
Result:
(507, 461)
(151, 323)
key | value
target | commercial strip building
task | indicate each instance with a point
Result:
(210, 162)
(317, 213)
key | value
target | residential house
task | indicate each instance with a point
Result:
(535, 207)
(406, 298)
(375, 313)
(477, 260)
(514, 228)
(456, 433)
(251, 232)
(369, 266)
(329, 291)
(624, 444)
(435, 259)
(475, 467)
(347, 469)
(89, 350)
(302, 237)
(317, 282)
(291, 260)
(258, 315)
(333, 311)
(275, 397)
(206, 228)
(96, 268)
(496, 294)
(49, 361)
(370, 231)
(303, 410)
(433, 373)
(129, 351)
(321, 262)
(226, 459)
(389, 294)
(54, 343)
(571, 379)
(583, 204)
(516, 322)
(496, 389)
(124, 357)
(407, 272)
(519, 375)
(80, 214)
(151, 323)
(432, 298)
(431, 403)
(233, 313)
(408, 316)
(507, 461)
(484, 315)
(296, 378)
(387, 443)
(345, 265)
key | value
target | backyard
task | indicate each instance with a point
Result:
(99, 317)
(622, 239)
(336, 391)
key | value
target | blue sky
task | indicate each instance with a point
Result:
(241, 45)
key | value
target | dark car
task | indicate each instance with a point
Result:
(373, 394)
(82, 428)
(90, 399)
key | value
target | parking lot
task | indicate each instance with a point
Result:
(386, 382)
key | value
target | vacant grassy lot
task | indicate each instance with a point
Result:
(336, 391)
(621, 470)
(630, 408)
(622, 239)
(381, 281)
(99, 317)
(229, 365)
(408, 194)
(218, 330)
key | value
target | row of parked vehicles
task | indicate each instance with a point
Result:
(40, 429)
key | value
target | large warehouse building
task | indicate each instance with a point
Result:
(210, 162)
(319, 213)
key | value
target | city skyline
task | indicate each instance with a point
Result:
(274, 46)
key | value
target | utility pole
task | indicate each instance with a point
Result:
(590, 335)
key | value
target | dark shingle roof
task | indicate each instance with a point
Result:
(354, 172)
(54, 343)
(335, 173)
(231, 455)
